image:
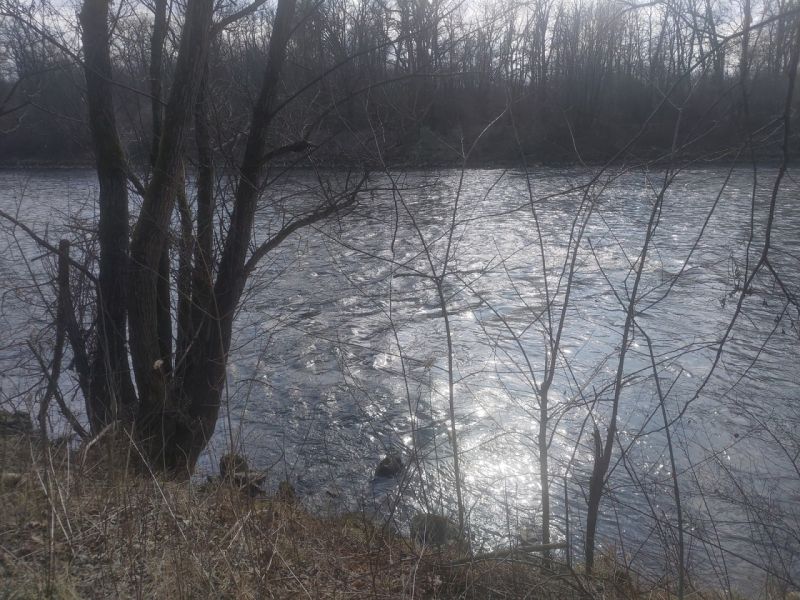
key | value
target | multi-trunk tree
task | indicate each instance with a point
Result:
(157, 359)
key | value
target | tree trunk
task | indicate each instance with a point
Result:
(232, 276)
(184, 303)
(177, 422)
(595, 494)
(111, 393)
(203, 272)
(159, 414)
(204, 376)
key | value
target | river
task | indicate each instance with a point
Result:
(340, 352)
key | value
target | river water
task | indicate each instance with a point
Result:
(340, 353)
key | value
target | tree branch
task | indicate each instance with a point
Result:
(220, 25)
(45, 244)
(292, 226)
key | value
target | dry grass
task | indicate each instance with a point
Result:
(75, 531)
(68, 533)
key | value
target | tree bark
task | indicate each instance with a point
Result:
(203, 272)
(111, 392)
(158, 413)
(184, 301)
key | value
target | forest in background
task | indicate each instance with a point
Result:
(558, 80)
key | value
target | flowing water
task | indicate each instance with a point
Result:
(340, 353)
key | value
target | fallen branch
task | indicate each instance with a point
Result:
(506, 553)
(96, 439)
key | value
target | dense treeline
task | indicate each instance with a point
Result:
(560, 80)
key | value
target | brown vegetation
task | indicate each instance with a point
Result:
(72, 527)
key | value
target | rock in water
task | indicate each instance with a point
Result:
(232, 466)
(390, 466)
(234, 470)
(434, 530)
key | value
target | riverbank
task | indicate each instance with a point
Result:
(74, 528)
